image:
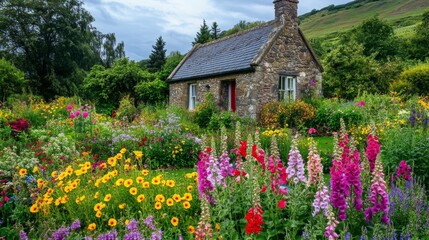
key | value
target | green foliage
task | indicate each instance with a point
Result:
(108, 86)
(227, 119)
(152, 92)
(348, 71)
(11, 79)
(415, 80)
(170, 64)
(241, 26)
(420, 41)
(215, 31)
(203, 36)
(127, 110)
(204, 112)
(157, 57)
(11, 158)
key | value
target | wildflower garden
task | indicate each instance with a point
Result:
(314, 169)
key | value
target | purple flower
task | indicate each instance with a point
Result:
(133, 226)
(108, 236)
(133, 236)
(149, 222)
(61, 233)
(23, 235)
(75, 225)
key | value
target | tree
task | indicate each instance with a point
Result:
(52, 41)
(377, 37)
(157, 57)
(420, 41)
(241, 26)
(215, 31)
(11, 79)
(111, 51)
(170, 64)
(203, 36)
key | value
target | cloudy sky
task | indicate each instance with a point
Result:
(140, 22)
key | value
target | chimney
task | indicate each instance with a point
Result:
(286, 11)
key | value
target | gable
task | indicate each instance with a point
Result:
(223, 56)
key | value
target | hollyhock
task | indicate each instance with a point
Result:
(403, 169)
(314, 165)
(378, 198)
(372, 149)
(254, 220)
(295, 169)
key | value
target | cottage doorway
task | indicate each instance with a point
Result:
(227, 95)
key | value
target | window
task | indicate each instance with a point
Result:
(192, 96)
(287, 88)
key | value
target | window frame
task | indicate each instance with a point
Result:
(192, 99)
(287, 88)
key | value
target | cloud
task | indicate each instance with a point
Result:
(140, 22)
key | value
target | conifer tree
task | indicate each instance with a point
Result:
(204, 35)
(157, 57)
(215, 31)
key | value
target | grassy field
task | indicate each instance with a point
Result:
(402, 14)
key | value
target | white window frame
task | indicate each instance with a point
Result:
(287, 88)
(192, 96)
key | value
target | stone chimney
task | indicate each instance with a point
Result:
(286, 11)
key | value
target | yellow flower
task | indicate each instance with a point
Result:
(111, 161)
(133, 191)
(54, 174)
(112, 222)
(127, 221)
(96, 195)
(174, 221)
(138, 154)
(118, 156)
(171, 183)
(98, 214)
(139, 179)
(146, 185)
(122, 206)
(170, 202)
(145, 172)
(107, 197)
(128, 183)
(22, 172)
(160, 198)
(186, 205)
(156, 181)
(35, 169)
(189, 188)
(188, 196)
(140, 198)
(158, 205)
(191, 229)
(57, 201)
(91, 226)
(119, 182)
(177, 197)
(217, 227)
(34, 208)
(123, 150)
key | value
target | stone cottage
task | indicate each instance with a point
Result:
(270, 62)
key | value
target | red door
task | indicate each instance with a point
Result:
(232, 96)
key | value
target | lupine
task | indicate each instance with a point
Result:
(295, 169)
(339, 189)
(314, 165)
(378, 197)
(332, 224)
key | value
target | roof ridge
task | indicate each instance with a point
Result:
(238, 33)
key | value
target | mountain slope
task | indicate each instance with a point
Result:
(400, 13)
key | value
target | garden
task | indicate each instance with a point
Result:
(310, 169)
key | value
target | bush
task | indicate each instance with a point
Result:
(152, 92)
(418, 78)
(126, 110)
(11, 79)
(203, 113)
(272, 115)
(227, 119)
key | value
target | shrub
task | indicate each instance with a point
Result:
(152, 92)
(272, 115)
(203, 113)
(227, 119)
(126, 110)
(418, 78)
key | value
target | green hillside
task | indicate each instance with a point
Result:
(402, 14)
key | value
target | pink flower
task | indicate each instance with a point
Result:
(379, 200)
(72, 115)
(282, 203)
(295, 169)
(69, 108)
(85, 114)
(77, 113)
(311, 131)
(403, 169)
(6, 199)
(372, 150)
(360, 104)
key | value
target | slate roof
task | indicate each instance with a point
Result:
(223, 56)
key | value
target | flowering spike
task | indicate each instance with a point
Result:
(321, 200)
(204, 229)
(213, 147)
(353, 175)
(332, 224)
(237, 134)
(295, 169)
(274, 148)
(314, 164)
(223, 139)
(372, 149)
(339, 188)
(379, 200)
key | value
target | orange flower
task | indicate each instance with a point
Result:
(177, 197)
(133, 191)
(174, 221)
(34, 208)
(123, 150)
(170, 183)
(107, 197)
(186, 205)
(139, 179)
(170, 202)
(158, 205)
(98, 214)
(119, 182)
(91, 226)
(146, 185)
(191, 229)
(156, 181)
(160, 198)
(22, 172)
(96, 195)
(140, 198)
(112, 222)
(119, 156)
(128, 183)
(122, 206)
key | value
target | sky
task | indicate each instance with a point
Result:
(138, 23)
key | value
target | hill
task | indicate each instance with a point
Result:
(402, 14)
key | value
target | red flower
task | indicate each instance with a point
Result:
(264, 188)
(282, 203)
(254, 220)
(243, 148)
